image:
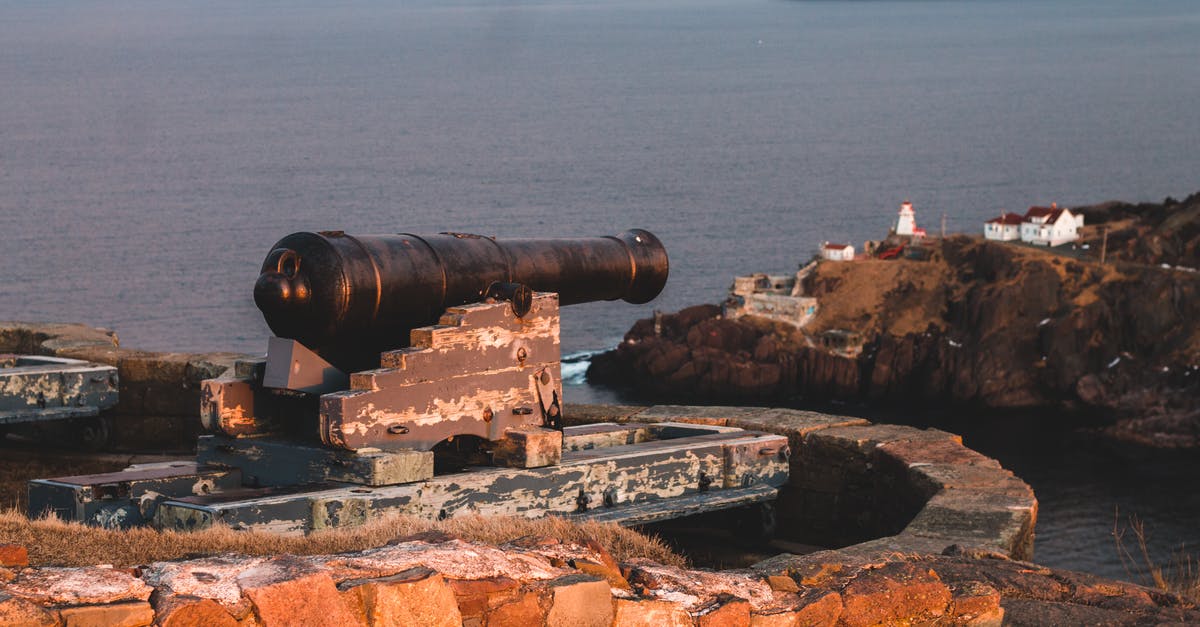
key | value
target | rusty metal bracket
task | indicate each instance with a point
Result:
(582, 501)
(548, 399)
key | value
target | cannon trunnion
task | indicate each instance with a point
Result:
(390, 348)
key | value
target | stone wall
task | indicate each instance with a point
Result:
(159, 400)
(439, 580)
(930, 530)
(891, 487)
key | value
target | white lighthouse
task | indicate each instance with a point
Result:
(906, 223)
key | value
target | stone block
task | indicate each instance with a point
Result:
(417, 596)
(137, 614)
(177, 611)
(579, 601)
(527, 609)
(818, 607)
(695, 589)
(794, 422)
(13, 556)
(289, 591)
(894, 592)
(782, 583)
(584, 413)
(649, 613)
(528, 447)
(476, 596)
(724, 611)
(612, 575)
(936, 451)
(865, 439)
(1002, 518)
(18, 612)
(976, 603)
(213, 578)
(781, 618)
(721, 416)
(92, 585)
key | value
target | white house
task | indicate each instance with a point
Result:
(1050, 226)
(837, 252)
(1005, 228)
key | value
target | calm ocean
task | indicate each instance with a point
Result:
(151, 152)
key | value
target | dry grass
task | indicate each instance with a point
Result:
(1181, 576)
(872, 296)
(55, 543)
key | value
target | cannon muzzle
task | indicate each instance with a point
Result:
(350, 297)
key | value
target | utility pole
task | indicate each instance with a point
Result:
(1103, 244)
(943, 225)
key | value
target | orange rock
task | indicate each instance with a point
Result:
(781, 618)
(782, 583)
(289, 591)
(822, 573)
(612, 575)
(91, 585)
(137, 614)
(975, 599)
(649, 613)
(606, 558)
(475, 596)
(579, 601)
(6, 575)
(818, 607)
(179, 611)
(16, 612)
(526, 611)
(418, 596)
(13, 556)
(897, 591)
(724, 610)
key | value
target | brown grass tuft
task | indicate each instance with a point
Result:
(52, 542)
(1182, 574)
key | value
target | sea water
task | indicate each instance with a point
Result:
(151, 153)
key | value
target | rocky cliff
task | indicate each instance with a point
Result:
(980, 323)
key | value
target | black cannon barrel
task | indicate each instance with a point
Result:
(350, 297)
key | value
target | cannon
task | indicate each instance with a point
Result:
(412, 340)
(421, 374)
(348, 298)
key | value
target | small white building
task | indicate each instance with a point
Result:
(837, 252)
(1050, 226)
(906, 222)
(1005, 228)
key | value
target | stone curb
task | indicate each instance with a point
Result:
(422, 582)
(848, 471)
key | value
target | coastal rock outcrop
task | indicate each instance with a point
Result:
(980, 323)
